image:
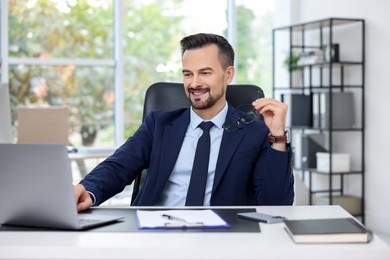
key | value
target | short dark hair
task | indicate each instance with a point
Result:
(225, 50)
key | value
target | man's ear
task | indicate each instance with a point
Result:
(230, 71)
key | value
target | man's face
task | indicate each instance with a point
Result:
(205, 80)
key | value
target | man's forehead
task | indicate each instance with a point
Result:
(208, 50)
(200, 58)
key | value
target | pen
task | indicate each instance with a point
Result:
(170, 217)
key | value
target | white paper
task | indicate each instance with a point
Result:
(180, 218)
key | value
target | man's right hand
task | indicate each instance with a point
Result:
(83, 200)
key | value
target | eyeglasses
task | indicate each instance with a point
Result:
(250, 114)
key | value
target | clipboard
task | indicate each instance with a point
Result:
(180, 219)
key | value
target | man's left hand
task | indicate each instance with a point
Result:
(274, 113)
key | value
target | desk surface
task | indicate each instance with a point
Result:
(91, 152)
(272, 242)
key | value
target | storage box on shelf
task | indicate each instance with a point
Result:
(340, 162)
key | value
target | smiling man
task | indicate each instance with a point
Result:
(248, 166)
(205, 80)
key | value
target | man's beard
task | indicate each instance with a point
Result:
(206, 104)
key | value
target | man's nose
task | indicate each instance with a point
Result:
(196, 81)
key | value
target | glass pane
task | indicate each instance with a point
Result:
(152, 52)
(57, 28)
(87, 91)
(204, 16)
(255, 20)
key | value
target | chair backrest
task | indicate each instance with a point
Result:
(166, 96)
(48, 125)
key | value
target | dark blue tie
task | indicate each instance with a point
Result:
(197, 187)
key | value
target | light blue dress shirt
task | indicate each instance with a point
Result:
(175, 191)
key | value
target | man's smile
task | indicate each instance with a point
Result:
(198, 92)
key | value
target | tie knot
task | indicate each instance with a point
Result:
(205, 126)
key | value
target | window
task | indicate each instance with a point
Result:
(61, 53)
(66, 52)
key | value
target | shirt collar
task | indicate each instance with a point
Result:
(218, 120)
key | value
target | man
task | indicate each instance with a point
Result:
(246, 166)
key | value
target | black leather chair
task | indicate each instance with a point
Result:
(166, 96)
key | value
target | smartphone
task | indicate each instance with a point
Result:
(261, 217)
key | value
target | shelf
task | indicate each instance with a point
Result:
(306, 47)
(314, 170)
(327, 64)
(310, 92)
(357, 129)
(320, 24)
(316, 89)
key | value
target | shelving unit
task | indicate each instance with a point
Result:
(325, 94)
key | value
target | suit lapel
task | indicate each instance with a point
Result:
(230, 142)
(172, 141)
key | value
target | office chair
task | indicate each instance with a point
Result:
(166, 96)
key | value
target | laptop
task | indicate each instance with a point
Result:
(36, 189)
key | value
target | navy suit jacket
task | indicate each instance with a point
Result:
(248, 170)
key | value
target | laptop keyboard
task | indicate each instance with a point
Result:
(88, 221)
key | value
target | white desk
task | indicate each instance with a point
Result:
(272, 243)
(84, 153)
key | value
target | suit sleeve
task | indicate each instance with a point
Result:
(273, 177)
(116, 172)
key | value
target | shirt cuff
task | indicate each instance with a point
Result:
(92, 197)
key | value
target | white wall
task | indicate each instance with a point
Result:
(377, 92)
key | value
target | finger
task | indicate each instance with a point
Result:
(84, 202)
(262, 102)
(78, 191)
(84, 205)
(274, 114)
(276, 109)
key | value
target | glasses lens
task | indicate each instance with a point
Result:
(248, 117)
(246, 108)
(250, 114)
(231, 126)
